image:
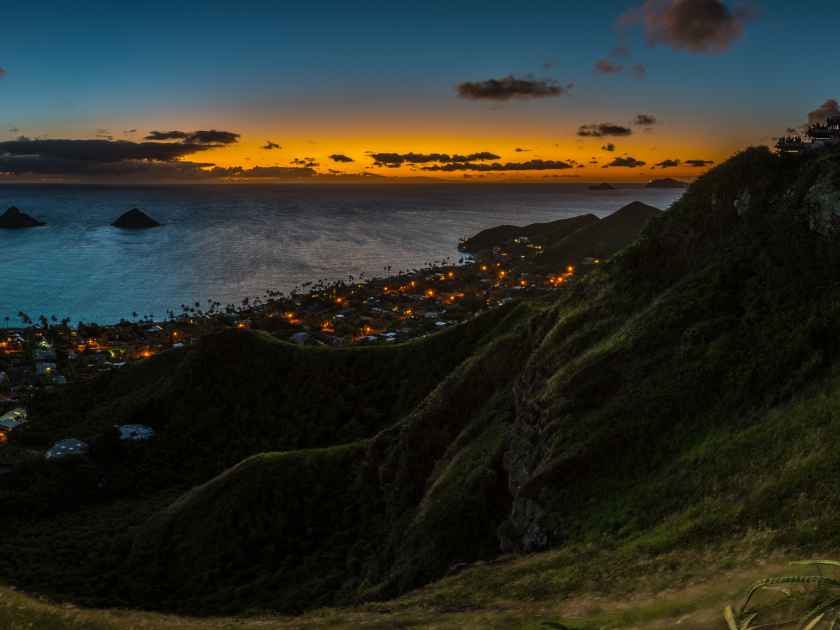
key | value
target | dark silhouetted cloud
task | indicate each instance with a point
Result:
(520, 150)
(101, 157)
(605, 66)
(99, 150)
(693, 25)
(394, 160)
(213, 136)
(306, 162)
(166, 135)
(667, 164)
(645, 120)
(698, 163)
(2, 72)
(608, 147)
(827, 109)
(511, 87)
(210, 136)
(531, 165)
(626, 162)
(269, 145)
(340, 157)
(599, 130)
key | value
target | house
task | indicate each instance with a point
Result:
(135, 432)
(825, 133)
(70, 447)
(13, 419)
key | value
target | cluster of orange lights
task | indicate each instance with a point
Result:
(3, 437)
(290, 317)
(9, 347)
(563, 277)
(327, 327)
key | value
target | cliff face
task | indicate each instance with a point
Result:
(721, 313)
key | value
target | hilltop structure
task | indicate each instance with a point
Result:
(818, 135)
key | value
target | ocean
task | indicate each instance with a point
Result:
(228, 242)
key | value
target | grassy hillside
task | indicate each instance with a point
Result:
(683, 398)
(600, 239)
(539, 233)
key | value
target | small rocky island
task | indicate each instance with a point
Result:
(602, 186)
(14, 219)
(667, 182)
(135, 219)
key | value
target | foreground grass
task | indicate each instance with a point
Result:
(577, 589)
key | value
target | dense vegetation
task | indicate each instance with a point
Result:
(685, 394)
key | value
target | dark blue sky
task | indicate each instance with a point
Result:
(381, 76)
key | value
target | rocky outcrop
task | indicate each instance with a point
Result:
(135, 219)
(14, 219)
(823, 203)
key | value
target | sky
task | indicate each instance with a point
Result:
(622, 90)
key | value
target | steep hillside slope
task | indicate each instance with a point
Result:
(539, 233)
(600, 239)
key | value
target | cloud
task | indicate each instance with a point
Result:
(673, 163)
(645, 120)
(13, 130)
(626, 162)
(605, 66)
(706, 26)
(394, 160)
(131, 168)
(269, 145)
(667, 164)
(210, 136)
(2, 72)
(307, 162)
(166, 135)
(608, 147)
(639, 71)
(101, 157)
(521, 150)
(531, 165)
(828, 109)
(213, 137)
(340, 157)
(599, 130)
(99, 150)
(510, 87)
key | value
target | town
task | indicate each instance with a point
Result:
(47, 353)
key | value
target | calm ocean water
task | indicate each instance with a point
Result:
(230, 242)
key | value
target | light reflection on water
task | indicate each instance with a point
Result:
(230, 242)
